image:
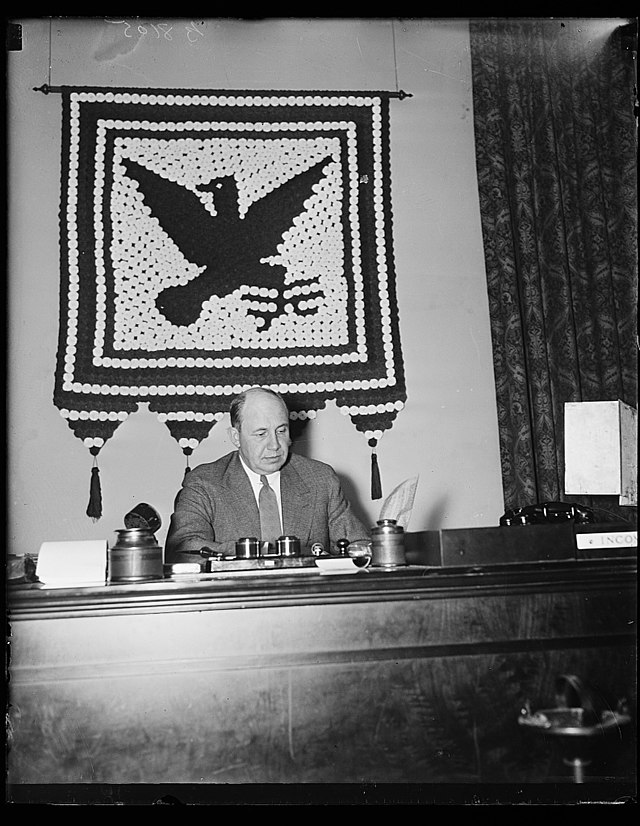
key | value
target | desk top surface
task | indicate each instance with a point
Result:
(302, 586)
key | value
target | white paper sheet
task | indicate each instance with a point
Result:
(338, 565)
(82, 562)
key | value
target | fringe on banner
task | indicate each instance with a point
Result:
(187, 452)
(94, 508)
(376, 485)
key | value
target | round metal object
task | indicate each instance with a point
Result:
(247, 548)
(288, 546)
(135, 557)
(387, 545)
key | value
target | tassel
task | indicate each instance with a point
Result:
(94, 508)
(187, 452)
(376, 485)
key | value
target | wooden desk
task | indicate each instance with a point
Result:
(409, 676)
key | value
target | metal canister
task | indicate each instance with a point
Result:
(135, 557)
(247, 548)
(387, 545)
(288, 546)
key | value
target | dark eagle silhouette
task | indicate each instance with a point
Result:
(227, 246)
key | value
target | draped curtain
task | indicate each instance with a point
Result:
(556, 150)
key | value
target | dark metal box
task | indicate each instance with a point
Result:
(491, 546)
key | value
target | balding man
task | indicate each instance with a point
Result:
(219, 501)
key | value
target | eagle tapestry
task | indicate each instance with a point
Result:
(212, 241)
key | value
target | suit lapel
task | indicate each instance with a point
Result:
(296, 503)
(245, 510)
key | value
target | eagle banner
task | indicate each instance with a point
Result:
(212, 241)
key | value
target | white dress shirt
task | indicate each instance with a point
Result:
(256, 484)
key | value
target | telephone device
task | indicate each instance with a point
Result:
(549, 512)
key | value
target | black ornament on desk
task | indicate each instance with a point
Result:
(143, 516)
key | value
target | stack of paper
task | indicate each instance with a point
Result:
(72, 563)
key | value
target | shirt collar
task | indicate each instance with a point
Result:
(254, 478)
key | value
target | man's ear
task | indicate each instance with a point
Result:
(234, 436)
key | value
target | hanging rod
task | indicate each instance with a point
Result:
(401, 94)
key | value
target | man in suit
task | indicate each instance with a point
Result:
(219, 501)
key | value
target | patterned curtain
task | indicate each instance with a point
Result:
(556, 150)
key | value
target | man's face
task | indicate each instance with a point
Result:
(263, 436)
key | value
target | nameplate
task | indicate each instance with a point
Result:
(615, 540)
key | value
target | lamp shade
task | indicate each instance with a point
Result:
(600, 449)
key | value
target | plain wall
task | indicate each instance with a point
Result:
(447, 433)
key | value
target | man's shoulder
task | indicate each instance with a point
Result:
(307, 467)
(216, 470)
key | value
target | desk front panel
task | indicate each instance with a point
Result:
(356, 679)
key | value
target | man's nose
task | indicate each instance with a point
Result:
(273, 443)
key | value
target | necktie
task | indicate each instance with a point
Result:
(270, 527)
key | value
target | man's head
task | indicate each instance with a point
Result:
(260, 429)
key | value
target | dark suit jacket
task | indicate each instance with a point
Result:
(216, 507)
